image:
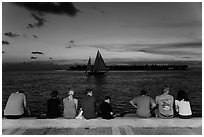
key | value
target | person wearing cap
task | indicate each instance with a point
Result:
(164, 104)
(16, 105)
(144, 104)
(88, 105)
(70, 106)
(53, 106)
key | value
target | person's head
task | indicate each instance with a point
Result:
(165, 89)
(182, 95)
(108, 99)
(88, 92)
(143, 92)
(20, 91)
(71, 92)
(54, 93)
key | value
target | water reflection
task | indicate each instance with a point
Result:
(97, 83)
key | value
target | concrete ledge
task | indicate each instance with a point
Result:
(117, 122)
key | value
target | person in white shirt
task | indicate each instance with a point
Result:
(15, 106)
(182, 105)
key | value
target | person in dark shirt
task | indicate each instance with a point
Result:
(106, 109)
(53, 106)
(88, 105)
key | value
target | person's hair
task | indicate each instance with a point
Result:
(87, 91)
(181, 94)
(20, 91)
(107, 97)
(163, 88)
(143, 92)
(54, 93)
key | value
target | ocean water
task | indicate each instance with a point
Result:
(122, 86)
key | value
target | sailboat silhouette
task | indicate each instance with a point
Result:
(99, 66)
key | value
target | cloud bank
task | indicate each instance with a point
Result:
(50, 7)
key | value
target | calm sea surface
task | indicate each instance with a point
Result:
(121, 86)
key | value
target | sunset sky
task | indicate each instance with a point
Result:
(122, 32)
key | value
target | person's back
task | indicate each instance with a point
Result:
(88, 105)
(182, 105)
(53, 108)
(15, 105)
(165, 104)
(143, 104)
(70, 106)
(106, 109)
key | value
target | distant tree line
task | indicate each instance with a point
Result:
(135, 67)
(28, 66)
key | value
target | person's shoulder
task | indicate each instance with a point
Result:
(170, 96)
(150, 98)
(64, 99)
(159, 95)
(20, 94)
(177, 100)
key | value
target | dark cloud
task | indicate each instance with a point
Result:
(4, 42)
(186, 57)
(30, 26)
(173, 49)
(33, 57)
(68, 47)
(71, 44)
(10, 34)
(50, 7)
(40, 21)
(142, 50)
(37, 52)
(35, 36)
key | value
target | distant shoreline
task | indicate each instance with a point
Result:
(48, 67)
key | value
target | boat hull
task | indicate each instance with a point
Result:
(96, 73)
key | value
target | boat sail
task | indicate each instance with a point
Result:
(99, 66)
(89, 67)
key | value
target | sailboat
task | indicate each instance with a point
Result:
(99, 66)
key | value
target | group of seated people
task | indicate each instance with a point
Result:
(164, 106)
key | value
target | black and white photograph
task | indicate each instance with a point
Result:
(101, 68)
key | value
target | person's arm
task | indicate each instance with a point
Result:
(96, 106)
(153, 104)
(76, 102)
(24, 101)
(111, 110)
(133, 104)
(176, 106)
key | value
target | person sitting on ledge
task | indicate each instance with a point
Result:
(164, 104)
(106, 109)
(88, 105)
(70, 106)
(16, 106)
(182, 105)
(53, 106)
(144, 104)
